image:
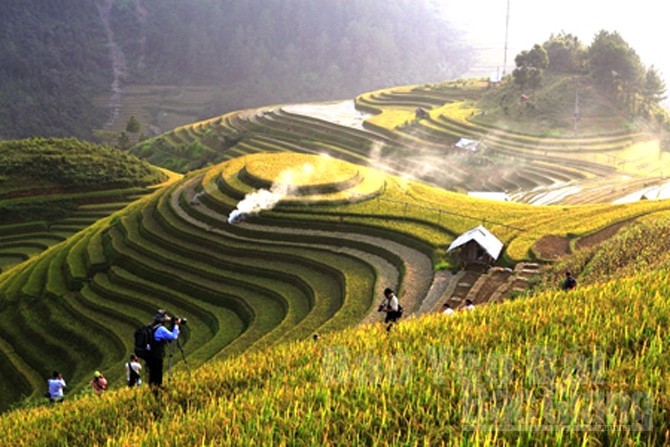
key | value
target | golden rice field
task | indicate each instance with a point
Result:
(293, 264)
(587, 367)
(330, 215)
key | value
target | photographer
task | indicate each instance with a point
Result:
(161, 335)
(391, 307)
(56, 386)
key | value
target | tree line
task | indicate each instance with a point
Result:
(56, 57)
(609, 60)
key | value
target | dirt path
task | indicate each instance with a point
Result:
(118, 60)
(602, 235)
(441, 281)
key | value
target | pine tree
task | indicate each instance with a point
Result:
(133, 125)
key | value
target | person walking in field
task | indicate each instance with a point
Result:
(569, 283)
(133, 369)
(56, 386)
(392, 308)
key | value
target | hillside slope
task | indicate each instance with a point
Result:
(69, 70)
(528, 156)
(316, 262)
(53, 188)
(580, 368)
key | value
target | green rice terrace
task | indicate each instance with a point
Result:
(51, 189)
(289, 221)
(350, 232)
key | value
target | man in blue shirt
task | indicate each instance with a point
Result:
(161, 335)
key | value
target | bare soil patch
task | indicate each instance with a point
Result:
(600, 236)
(552, 247)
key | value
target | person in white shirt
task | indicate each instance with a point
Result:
(56, 386)
(469, 305)
(447, 309)
(392, 308)
(133, 369)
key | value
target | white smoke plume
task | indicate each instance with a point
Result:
(195, 200)
(266, 199)
(259, 200)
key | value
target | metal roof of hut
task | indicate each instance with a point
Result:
(483, 237)
(467, 144)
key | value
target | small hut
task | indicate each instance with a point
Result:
(477, 246)
(467, 144)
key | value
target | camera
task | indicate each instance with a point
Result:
(380, 308)
(182, 321)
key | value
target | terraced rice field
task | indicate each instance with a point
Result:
(173, 250)
(315, 263)
(384, 132)
(19, 242)
(347, 220)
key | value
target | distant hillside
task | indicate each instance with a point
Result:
(54, 60)
(565, 88)
(58, 62)
(549, 109)
(522, 150)
(59, 165)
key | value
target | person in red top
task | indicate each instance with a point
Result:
(99, 383)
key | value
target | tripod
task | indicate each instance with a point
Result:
(183, 356)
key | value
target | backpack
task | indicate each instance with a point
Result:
(144, 340)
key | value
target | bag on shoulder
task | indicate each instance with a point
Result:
(134, 378)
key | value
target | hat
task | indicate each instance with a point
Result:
(96, 374)
(161, 316)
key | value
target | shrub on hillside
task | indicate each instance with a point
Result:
(72, 163)
(48, 210)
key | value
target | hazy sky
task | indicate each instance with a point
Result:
(642, 23)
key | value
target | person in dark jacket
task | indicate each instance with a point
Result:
(570, 282)
(161, 335)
